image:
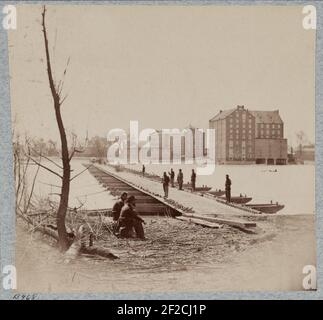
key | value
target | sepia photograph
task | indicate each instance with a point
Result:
(163, 148)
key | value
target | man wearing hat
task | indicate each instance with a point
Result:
(228, 188)
(129, 220)
(116, 210)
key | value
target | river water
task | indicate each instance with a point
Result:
(291, 185)
(84, 189)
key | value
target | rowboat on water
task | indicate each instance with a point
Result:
(240, 199)
(217, 193)
(202, 189)
(197, 189)
(267, 207)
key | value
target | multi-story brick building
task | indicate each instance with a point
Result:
(245, 136)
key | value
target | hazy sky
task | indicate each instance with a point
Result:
(166, 66)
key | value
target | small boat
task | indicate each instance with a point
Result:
(217, 193)
(197, 189)
(266, 207)
(202, 189)
(240, 199)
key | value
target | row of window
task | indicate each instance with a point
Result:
(237, 143)
(270, 125)
(243, 157)
(243, 131)
(237, 120)
(243, 137)
(243, 123)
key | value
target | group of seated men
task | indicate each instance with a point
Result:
(126, 219)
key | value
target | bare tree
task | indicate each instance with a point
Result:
(301, 140)
(23, 190)
(58, 100)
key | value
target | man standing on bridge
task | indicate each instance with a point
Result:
(180, 179)
(172, 177)
(228, 188)
(129, 220)
(193, 180)
(143, 170)
(165, 184)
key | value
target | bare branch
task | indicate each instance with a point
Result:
(62, 101)
(32, 190)
(61, 83)
(50, 184)
(44, 167)
(73, 152)
(50, 160)
(81, 172)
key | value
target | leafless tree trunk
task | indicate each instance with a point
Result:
(58, 101)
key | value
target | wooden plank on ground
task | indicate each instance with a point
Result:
(200, 222)
(231, 222)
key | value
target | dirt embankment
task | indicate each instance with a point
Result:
(176, 257)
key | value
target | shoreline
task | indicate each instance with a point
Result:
(165, 264)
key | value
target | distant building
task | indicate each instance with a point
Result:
(305, 153)
(245, 136)
(179, 146)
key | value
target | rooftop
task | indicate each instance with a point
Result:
(261, 116)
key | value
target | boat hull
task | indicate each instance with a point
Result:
(218, 193)
(267, 208)
(239, 200)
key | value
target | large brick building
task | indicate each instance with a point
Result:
(245, 136)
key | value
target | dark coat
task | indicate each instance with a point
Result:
(228, 184)
(166, 180)
(128, 214)
(117, 209)
(180, 177)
